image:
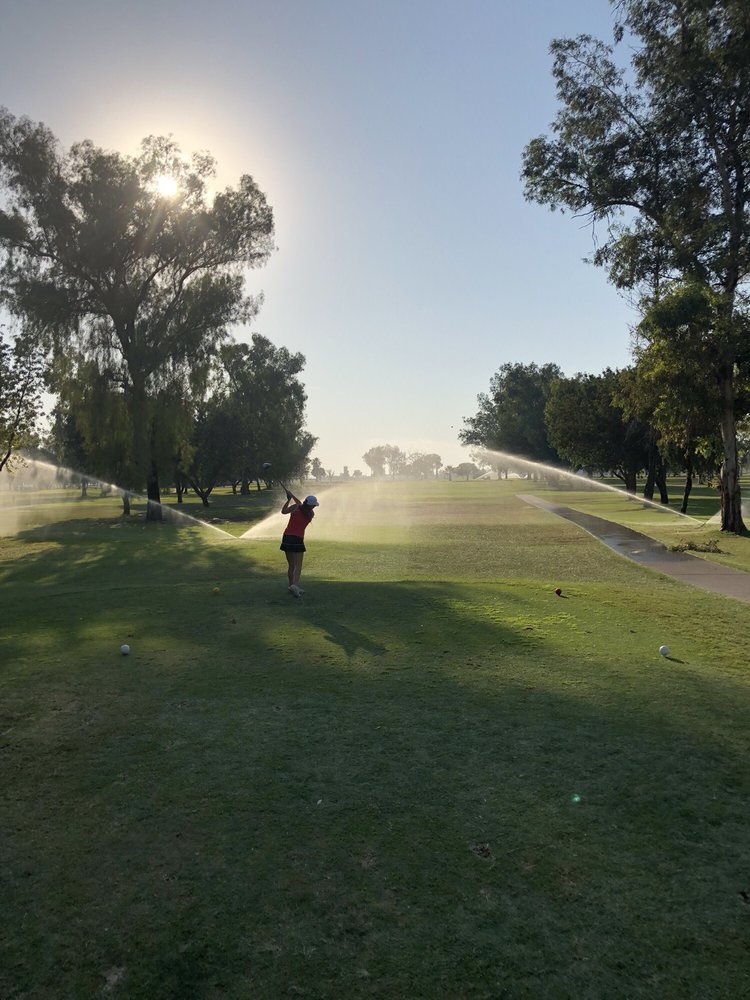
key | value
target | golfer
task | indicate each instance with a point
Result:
(293, 541)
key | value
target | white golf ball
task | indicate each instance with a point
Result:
(664, 650)
(125, 649)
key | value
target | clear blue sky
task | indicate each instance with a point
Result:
(387, 135)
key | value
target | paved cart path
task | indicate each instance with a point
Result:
(652, 554)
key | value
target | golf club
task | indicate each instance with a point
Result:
(267, 466)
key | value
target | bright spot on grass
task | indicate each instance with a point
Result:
(575, 799)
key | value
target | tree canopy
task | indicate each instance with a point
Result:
(510, 417)
(659, 153)
(110, 270)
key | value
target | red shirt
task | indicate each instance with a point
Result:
(297, 523)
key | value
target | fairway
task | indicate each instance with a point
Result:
(430, 777)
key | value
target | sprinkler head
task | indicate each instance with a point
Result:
(125, 649)
(266, 466)
(664, 650)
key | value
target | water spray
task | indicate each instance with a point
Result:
(169, 510)
(553, 472)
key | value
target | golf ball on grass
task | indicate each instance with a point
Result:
(124, 649)
(664, 650)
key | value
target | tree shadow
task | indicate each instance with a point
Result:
(378, 779)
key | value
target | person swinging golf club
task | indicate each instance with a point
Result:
(293, 541)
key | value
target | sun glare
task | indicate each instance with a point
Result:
(166, 186)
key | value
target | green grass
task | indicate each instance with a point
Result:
(695, 533)
(369, 792)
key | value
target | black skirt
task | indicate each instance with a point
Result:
(292, 543)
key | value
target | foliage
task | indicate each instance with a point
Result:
(589, 429)
(109, 270)
(21, 371)
(660, 154)
(511, 417)
(422, 466)
(267, 400)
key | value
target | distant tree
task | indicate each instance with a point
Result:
(395, 459)
(510, 417)
(316, 470)
(422, 466)
(21, 370)
(110, 266)
(357, 474)
(263, 388)
(589, 430)
(466, 469)
(69, 446)
(345, 473)
(213, 446)
(375, 459)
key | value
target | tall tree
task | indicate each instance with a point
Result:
(124, 261)
(664, 163)
(510, 417)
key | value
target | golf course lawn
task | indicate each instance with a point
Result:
(430, 777)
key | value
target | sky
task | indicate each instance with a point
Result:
(387, 135)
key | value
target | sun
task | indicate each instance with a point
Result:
(166, 185)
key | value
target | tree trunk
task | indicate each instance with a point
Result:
(729, 480)
(631, 480)
(661, 480)
(125, 505)
(688, 481)
(154, 510)
(84, 489)
(648, 489)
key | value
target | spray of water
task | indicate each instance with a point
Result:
(355, 511)
(54, 473)
(524, 466)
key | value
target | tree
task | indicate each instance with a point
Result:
(589, 429)
(375, 458)
(675, 378)
(213, 446)
(108, 264)
(664, 163)
(317, 471)
(268, 401)
(511, 417)
(466, 469)
(21, 369)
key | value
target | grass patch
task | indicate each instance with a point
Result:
(430, 777)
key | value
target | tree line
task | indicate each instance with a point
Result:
(124, 278)
(655, 153)
(615, 422)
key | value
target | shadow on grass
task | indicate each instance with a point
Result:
(451, 806)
